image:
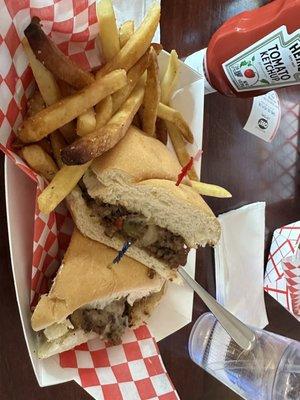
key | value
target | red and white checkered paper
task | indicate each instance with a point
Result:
(134, 369)
(291, 269)
(282, 277)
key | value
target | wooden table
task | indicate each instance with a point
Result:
(250, 168)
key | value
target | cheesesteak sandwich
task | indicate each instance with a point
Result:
(91, 298)
(129, 194)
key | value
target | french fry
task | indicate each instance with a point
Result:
(170, 78)
(75, 172)
(137, 121)
(169, 114)
(86, 122)
(54, 59)
(44, 78)
(17, 145)
(40, 161)
(136, 45)
(133, 76)
(125, 32)
(65, 88)
(103, 139)
(57, 143)
(47, 86)
(104, 111)
(167, 86)
(45, 145)
(35, 104)
(109, 34)
(61, 185)
(180, 149)
(65, 110)
(161, 131)
(68, 131)
(207, 189)
(157, 47)
(152, 95)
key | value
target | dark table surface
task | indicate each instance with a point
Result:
(250, 168)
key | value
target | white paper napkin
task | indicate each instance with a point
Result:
(239, 263)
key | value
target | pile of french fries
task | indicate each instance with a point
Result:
(75, 116)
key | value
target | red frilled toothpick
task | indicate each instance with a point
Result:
(185, 170)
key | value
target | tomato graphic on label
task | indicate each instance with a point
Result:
(249, 73)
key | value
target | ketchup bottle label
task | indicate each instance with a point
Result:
(265, 115)
(271, 62)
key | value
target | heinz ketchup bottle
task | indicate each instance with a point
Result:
(254, 51)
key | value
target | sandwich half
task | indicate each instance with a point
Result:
(129, 194)
(91, 298)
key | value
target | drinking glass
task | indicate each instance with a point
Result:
(269, 371)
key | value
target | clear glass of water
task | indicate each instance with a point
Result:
(269, 371)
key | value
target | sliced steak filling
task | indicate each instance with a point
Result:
(110, 322)
(157, 241)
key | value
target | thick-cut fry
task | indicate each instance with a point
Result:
(54, 59)
(169, 114)
(45, 145)
(57, 144)
(170, 78)
(55, 116)
(125, 32)
(109, 34)
(67, 179)
(86, 122)
(17, 145)
(35, 104)
(133, 76)
(157, 47)
(180, 149)
(167, 86)
(161, 131)
(61, 185)
(152, 95)
(65, 88)
(44, 78)
(207, 189)
(98, 142)
(40, 161)
(136, 45)
(104, 111)
(48, 87)
(137, 121)
(68, 131)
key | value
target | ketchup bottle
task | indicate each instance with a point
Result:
(254, 51)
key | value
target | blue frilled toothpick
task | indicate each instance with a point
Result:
(121, 253)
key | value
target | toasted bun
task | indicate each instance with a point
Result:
(67, 342)
(84, 277)
(140, 157)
